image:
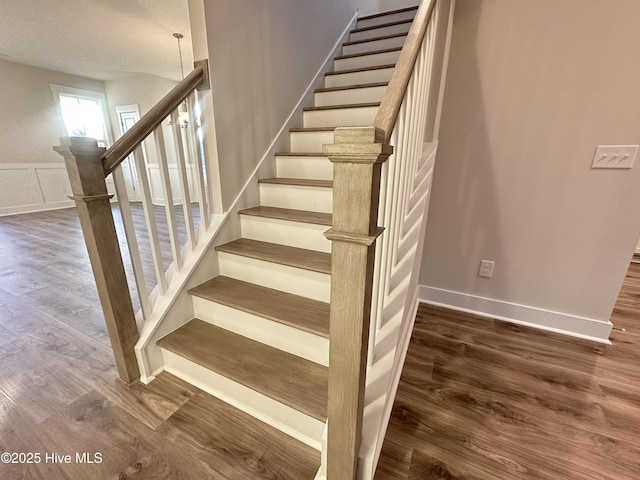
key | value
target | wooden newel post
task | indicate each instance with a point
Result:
(357, 156)
(82, 157)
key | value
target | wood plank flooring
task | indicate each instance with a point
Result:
(483, 399)
(478, 399)
(57, 389)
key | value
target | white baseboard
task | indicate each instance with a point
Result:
(557, 322)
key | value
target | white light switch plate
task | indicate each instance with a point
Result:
(615, 156)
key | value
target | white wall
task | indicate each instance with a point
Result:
(32, 175)
(263, 56)
(29, 125)
(533, 88)
(144, 90)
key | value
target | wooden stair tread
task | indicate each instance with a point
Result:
(312, 129)
(361, 69)
(364, 54)
(302, 182)
(304, 216)
(299, 312)
(301, 154)
(382, 25)
(383, 37)
(351, 87)
(284, 255)
(389, 12)
(286, 378)
(338, 107)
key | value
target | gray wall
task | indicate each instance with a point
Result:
(29, 124)
(263, 56)
(533, 87)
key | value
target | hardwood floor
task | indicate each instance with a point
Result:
(482, 399)
(478, 399)
(57, 389)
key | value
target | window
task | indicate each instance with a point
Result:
(82, 113)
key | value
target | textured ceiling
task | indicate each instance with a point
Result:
(101, 39)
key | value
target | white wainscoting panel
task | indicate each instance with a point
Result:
(32, 187)
(157, 197)
(35, 187)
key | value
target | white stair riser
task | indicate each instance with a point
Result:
(351, 96)
(374, 45)
(314, 199)
(358, 78)
(319, 168)
(301, 282)
(380, 32)
(343, 117)
(310, 141)
(283, 337)
(362, 61)
(393, 17)
(286, 419)
(284, 232)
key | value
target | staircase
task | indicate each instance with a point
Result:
(303, 321)
(260, 339)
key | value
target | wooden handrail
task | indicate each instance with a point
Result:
(394, 94)
(154, 117)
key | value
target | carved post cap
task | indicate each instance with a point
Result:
(79, 146)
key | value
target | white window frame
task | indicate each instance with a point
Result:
(58, 90)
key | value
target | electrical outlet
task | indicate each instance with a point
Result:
(615, 156)
(486, 268)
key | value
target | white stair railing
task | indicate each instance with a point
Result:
(382, 183)
(182, 154)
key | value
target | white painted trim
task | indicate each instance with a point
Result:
(557, 322)
(45, 195)
(369, 459)
(300, 426)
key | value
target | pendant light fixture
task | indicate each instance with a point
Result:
(183, 113)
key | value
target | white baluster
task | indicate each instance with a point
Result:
(132, 241)
(168, 198)
(150, 219)
(184, 183)
(194, 140)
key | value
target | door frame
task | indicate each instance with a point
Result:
(127, 163)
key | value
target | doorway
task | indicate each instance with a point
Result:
(128, 115)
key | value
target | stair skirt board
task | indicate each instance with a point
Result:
(382, 43)
(383, 30)
(344, 117)
(345, 79)
(288, 279)
(284, 232)
(316, 167)
(389, 17)
(275, 334)
(314, 199)
(366, 60)
(352, 95)
(311, 142)
(286, 419)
